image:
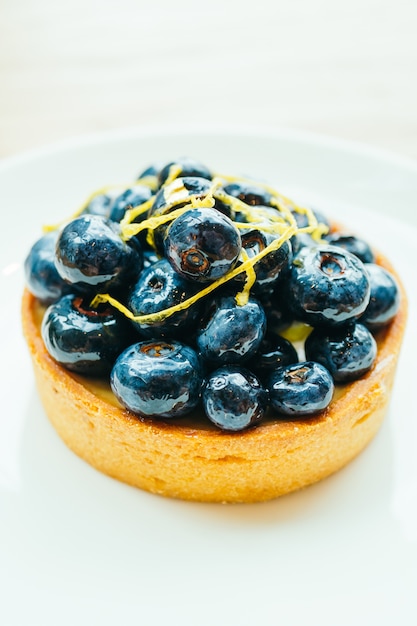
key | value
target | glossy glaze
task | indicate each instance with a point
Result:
(158, 379)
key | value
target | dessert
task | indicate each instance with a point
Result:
(161, 349)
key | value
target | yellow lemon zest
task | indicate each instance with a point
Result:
(243, 296)
(148, 181)
(135, 211)
(175, 171)
(130, 230)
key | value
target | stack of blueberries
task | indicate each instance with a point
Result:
(224, 354)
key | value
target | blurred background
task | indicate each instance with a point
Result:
(345, 69)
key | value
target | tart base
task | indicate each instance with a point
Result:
(193, 461)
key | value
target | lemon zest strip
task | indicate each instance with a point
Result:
(243, 296)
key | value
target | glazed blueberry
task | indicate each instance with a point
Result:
(179, 193)
(150, 176)
(348, 353)
(248, 193)
(101, 204)
(149, 258)
(272, 266)
(275, 351)
(174, 196)
(302, 240)
(352, 244)
(231, 333)
(385, 298)
(42, 277)
(158, 379)
(91, 254)
(327, 285)
(84, 340)
(300, 390)
(188, 167)
(157, 288)
(234, 398)
(277, 313)
(302, 218)
(202, 244)
(132, 197)
(151, 170)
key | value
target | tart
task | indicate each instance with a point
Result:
(189, 458)
(192, 460)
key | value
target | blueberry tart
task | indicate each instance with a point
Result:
(175, 366)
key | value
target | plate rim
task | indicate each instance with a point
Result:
(264, 132)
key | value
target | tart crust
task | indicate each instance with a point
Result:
(190, 459)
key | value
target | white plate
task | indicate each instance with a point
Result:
(79, 548)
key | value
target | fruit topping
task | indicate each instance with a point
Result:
(269, 268)
(248, 193)
(158, 379)
(84, 340)
(101, 204)
(385, 298)
(90, 253)
(300, 390)
(231, 333)
(178, 193)
(225, 283)
(184, 166)
(158, 288)
(353, 244)
(202, 244)
(234, 398)
(327, 285)
(274, 351)
(131, 197)
(347, 352)
(41, 275)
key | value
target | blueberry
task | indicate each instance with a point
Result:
(158, 379)
(149, 258)
(101, 204)
(274, 351)
(248, 193)
(352, 244)
(42, 277)
(84, 340)
(276, 310)
(151, 174)
(231, 333)
(151, 170)
(348, 353)
(302, 240)
(179, 193)
(188, 167)
(327, 285)
(300, 390)
(157, 288)
(91, 254)
(302, 218)
(202, 244)
(234, 398)
(385, 298)
(131, 197)
(272, 266)
(174, 196)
